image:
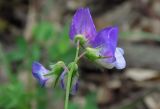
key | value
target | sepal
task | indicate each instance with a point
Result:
(82, 40)
(56, 70)
(92, 54)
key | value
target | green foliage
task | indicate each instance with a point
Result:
(48, 45)
(73, 106)
(43, 31)
(55, 44)
(61, 48)
(89, 104)
(35, 52)
(13, 96)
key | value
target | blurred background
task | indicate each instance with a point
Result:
(38, 30)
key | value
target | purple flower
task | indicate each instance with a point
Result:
(38, 71)
(105, 41)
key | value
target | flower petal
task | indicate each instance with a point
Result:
(82, 23)
(105, 63)
(106, 40)
(38, 71)
(120, 50)
(74, 85)
(63, 79)
(120, 61)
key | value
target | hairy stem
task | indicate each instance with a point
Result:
(69, 79)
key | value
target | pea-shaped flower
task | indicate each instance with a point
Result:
(46, 78)
(103, 43)
(39, 72)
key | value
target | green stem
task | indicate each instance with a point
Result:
(69, 79)
(80, 56)
(77, 52)
(68, 87)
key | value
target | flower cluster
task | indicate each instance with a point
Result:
(100, 47)
(102, 44)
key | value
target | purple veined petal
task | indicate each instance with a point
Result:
(38, 71)
(63, 83)
(106, 40)
(120, 50)
(120, 61)
(82, 23)
(63, 79)
(75, 85)
(105, 63)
